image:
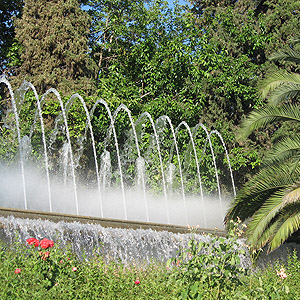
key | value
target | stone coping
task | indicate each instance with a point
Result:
(113, 223)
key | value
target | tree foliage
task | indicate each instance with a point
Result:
(54, 40)
(158, 60)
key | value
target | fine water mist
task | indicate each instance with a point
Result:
(156, 179)
(11, 196)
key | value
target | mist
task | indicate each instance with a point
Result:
(208, 213)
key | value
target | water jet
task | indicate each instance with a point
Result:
(136, 191)
(46, 172)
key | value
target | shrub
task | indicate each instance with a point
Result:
(209, 269)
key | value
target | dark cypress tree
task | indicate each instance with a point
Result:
(54, 39)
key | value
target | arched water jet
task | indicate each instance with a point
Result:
(100, 101)
(124, 107)
(197, 164)
(154, 148)
(213, 158)
(88, 120)
(227, 157)
(112, 129)
(25, 86)
(160, 159)
(57, 95)
(11, 93)
(179, 161)
(208, 139)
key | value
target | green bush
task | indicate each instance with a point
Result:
(29, 272)
(202, 271)
(209, 269)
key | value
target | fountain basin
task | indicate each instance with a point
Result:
(104, 222)
(119, 240)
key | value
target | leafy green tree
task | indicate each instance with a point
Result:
(232, 64)
(246, 33)
(192, 67)
(271, 197)
(54, 40)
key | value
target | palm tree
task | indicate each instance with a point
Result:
(271, 199)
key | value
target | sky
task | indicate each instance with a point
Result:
(182, 2)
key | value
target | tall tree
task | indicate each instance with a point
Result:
(245, 33)
(249, 29)
(54, 39)
(116, 26)
(156, 59)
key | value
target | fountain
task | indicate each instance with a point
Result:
(123, 172)
(132, 197)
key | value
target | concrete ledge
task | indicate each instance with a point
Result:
(114, 223)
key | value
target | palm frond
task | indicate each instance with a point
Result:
(292, 163)
(277, 219)
(277, 79)
(267, 235)
(271, 199)
(273, 206)
(262, 117)
(290, 225)
(284, 150)
(262, 186)
(292, 195)
(263, 217)
(295, 40)
(286, 55)
(284, 92)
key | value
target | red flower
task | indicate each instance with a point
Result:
(17, 270)
(45, 243)
(51, 243)
(137, 282)
(33, 241)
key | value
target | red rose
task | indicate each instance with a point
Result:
(137, 282)
(45, 243)
(30, 241)
(33, 241)
(51, 243)
(17, 270)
